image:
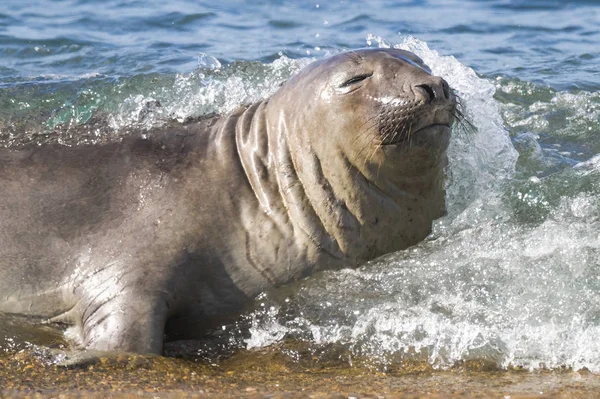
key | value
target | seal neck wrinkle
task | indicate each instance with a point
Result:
(253, 150)
(295, 192)
(313, 202)
(264, 152)
(281, 202)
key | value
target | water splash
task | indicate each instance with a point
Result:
(478, 159)
(210, 89)
(553, 129)
(511, 276)
(101, 108)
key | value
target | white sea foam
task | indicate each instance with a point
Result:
(209, 89)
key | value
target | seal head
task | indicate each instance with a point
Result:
(365, 134)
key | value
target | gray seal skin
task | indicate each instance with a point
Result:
(169, 231)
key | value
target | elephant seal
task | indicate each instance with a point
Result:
(129, 240)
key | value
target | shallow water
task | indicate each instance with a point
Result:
(511, 276)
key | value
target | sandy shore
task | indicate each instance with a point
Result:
(270, 374)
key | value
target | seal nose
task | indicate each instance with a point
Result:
(435, 91)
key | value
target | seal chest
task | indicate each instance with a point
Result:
(172, 231)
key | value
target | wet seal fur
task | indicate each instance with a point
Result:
(159, 233)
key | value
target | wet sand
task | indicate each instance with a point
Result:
(270, 373)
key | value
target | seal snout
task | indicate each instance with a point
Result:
(434, 91)
(430, 104)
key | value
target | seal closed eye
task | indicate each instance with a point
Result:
(170, 231)
(356, 79)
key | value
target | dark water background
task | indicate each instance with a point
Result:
(511, 275)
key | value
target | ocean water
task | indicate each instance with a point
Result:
(510, 276)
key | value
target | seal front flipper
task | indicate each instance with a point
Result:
(130, 321)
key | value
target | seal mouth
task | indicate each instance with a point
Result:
(415, 122)
(401, 137)
(433, 126)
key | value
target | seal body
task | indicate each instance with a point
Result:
(172, 230)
